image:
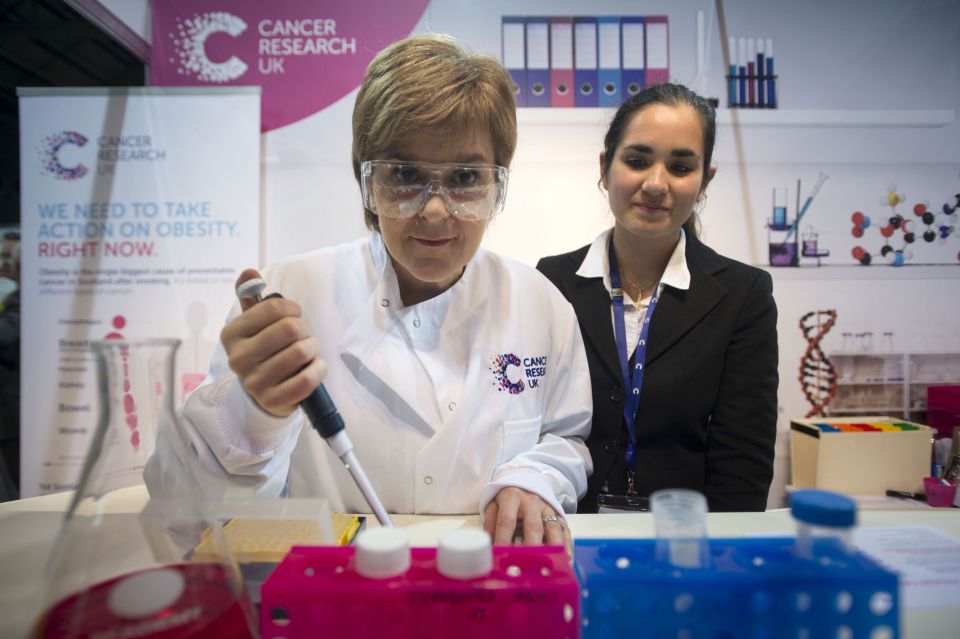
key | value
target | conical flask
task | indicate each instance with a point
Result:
(120, 568)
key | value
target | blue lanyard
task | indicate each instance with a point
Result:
(633, 381)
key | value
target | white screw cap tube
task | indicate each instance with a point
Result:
(382, 553)
(465, 554)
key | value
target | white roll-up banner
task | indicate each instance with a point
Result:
(139, 208)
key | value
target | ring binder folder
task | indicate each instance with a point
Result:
(585, 62)
(633, 49)
(658, 50)
(608, 62)
(561, 62)
(513, 50)
(538, 62)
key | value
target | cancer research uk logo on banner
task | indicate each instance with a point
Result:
(190, 43)
(53, 150)
(304, 54)
(49, 149)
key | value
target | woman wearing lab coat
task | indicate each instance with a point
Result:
(461, 375)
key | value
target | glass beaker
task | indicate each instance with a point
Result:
(810, 240)
(119, 570)
(887, 342)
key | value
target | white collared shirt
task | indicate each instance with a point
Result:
(597, 264)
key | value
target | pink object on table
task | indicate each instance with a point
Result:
(939, 494)
(529, 592)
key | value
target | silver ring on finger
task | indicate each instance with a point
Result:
(557, 520)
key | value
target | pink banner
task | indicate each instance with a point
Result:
(305, 54)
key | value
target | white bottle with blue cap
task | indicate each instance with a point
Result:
(825, 522)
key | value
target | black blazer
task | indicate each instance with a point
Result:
(708, 407)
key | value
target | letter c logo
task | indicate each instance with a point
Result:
(51, 163)
(499, 370)
(191, 41)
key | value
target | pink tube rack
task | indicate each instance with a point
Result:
(530, 592)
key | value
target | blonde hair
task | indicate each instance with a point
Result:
(430, 83)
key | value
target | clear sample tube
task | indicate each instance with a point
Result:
(680, 518)
(825, 522)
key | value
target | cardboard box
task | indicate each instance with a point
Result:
(860, 455)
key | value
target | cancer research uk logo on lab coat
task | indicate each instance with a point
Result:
(111, 150)
(530, 369)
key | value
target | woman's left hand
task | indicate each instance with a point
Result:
(541, 524)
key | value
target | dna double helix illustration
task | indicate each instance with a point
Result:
(818, 377)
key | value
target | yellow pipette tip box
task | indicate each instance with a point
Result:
(269, 540)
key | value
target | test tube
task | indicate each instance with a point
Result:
(779, 208)
(680, 519)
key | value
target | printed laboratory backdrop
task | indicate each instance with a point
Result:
(843, 183)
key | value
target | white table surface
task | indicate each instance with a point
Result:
(29, 527)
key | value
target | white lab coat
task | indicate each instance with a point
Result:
(425, 391)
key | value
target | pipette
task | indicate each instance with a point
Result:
(326, 420)
(796, 224)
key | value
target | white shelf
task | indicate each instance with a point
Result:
(891, 411)
(883, 354)
(924, 119)
(870, 410)
(858, 272)
(914, 118)
(910, 368)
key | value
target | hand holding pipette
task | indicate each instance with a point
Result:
(276, 359)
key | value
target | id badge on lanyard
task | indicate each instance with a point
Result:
(608, 503)
(633, 381)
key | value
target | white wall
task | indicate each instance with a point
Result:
(133, 13)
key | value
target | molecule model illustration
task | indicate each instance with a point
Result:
(901, 233)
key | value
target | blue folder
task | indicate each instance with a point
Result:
(608, 62)
(585, 62)
(632, 55)
(538, 62)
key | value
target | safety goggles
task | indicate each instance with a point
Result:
(401, 189)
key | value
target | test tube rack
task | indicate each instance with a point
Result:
(530, 592)
(754, 587)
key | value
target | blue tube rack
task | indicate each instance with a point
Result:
(753, 588)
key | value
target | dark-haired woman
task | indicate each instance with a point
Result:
(681, 341)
